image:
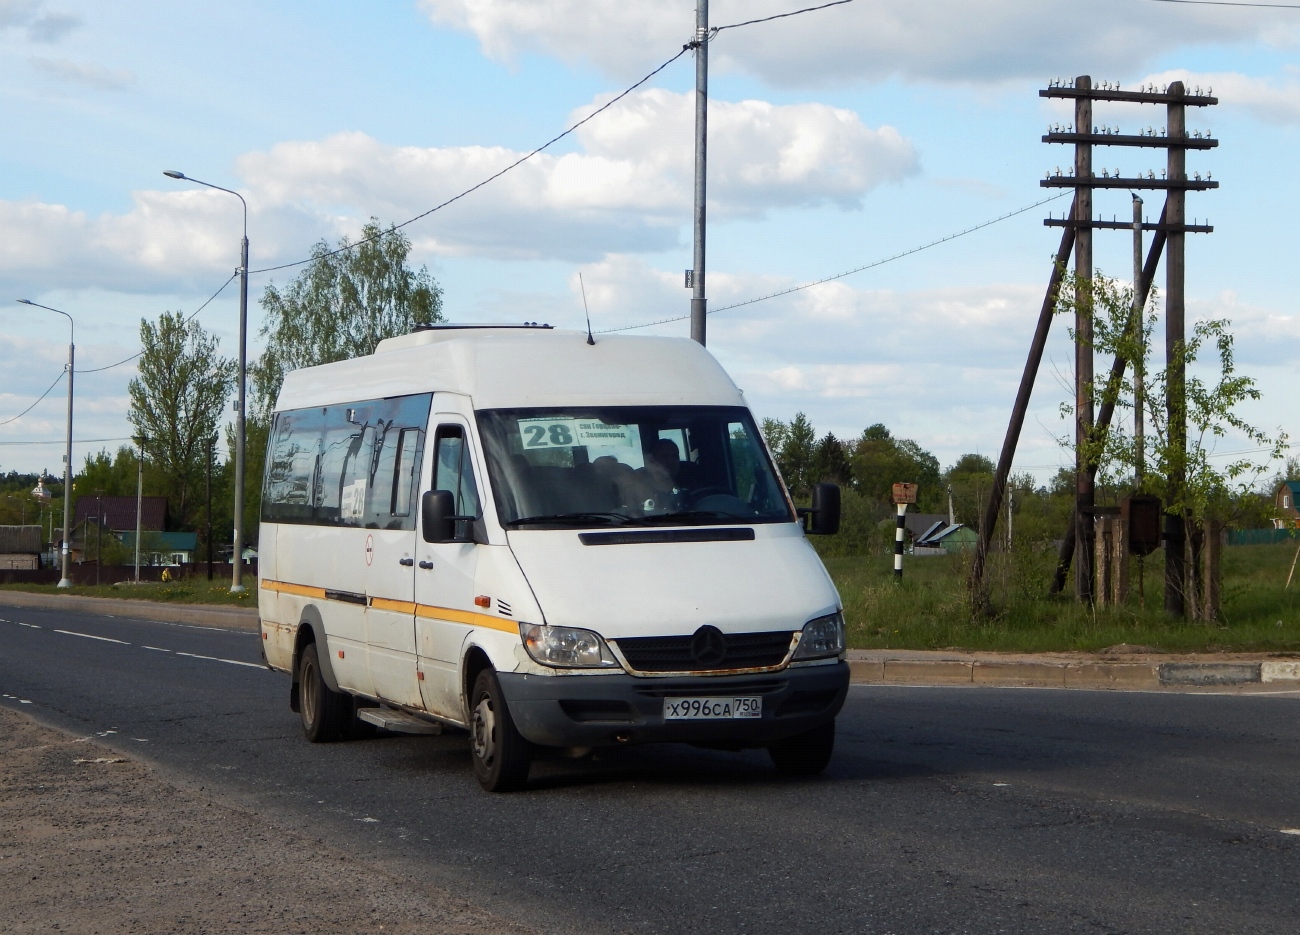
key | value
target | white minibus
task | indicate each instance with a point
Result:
(546, 542)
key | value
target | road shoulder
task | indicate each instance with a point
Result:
(95, 841)
(205, 615)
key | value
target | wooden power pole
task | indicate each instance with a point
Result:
(1079, 224)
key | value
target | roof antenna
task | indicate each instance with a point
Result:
(590, 339)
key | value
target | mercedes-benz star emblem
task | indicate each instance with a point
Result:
(708, 647)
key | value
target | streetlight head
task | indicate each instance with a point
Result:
(25, 302)
(173, 174)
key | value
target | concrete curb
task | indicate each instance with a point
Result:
(1091, 673)
(204, 615)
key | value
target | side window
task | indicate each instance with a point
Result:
(338, 439)
(406, 460)
(291, 462)
(453, 470)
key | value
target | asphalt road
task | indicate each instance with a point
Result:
(945, 810)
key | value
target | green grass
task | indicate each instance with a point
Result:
(188, 591)
(929, 609)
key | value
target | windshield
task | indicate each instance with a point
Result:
(629, 465)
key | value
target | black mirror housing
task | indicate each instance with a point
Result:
(437, 509)
(825, 510)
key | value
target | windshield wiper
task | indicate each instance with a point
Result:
(571, 519)
(685, 517)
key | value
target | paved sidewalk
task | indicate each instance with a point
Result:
(1123, 669)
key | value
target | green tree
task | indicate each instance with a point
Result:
(879, 461)
(177, 401)
(971, 479)
(343, 303)
(831, 462)
(797, 456)
(1211, 396)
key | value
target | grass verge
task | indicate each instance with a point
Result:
(929, 608)
(187, 591)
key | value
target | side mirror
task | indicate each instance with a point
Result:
(436, 510)
(825, 510)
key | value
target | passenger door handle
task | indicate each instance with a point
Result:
(408, 562)
(426, 565)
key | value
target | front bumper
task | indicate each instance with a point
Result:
(605, 710)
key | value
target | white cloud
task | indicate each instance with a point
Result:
(627, 188)
(33, 19)
(965, 41)
(85, 74)
(1271, 99)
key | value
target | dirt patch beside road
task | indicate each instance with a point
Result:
(94, 842)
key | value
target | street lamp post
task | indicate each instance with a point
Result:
(65, 581)
(236, 558)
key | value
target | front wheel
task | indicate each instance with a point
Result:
(501, 754)
(326, 714)
(805, 754)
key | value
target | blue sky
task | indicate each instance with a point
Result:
(837, 138)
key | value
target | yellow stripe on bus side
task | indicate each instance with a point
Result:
(302, 590)
(467, 617)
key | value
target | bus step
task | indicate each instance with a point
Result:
(398, 721)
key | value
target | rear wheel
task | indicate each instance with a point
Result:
(501, 754)
(805, 754)
(326, 714)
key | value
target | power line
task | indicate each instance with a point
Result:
(38, 399)
(75, 441)
(496, 175)
(549, 143)
(859, 269)
(1262, 6)
(768, 19)
(192, 316)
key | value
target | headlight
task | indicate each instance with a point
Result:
(566, 647)
(821, 637)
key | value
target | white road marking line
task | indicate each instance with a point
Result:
(23, 701)
(91, 636)
(233, 662)
(32, 625)
(157, 649)
(1290, 830)
(194, 626)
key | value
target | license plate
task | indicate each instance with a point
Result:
(712, 709)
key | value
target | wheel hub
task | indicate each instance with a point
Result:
(484, 732)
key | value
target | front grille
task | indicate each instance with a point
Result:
(673, 653)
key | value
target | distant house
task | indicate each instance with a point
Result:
(20, 548)
(932, 534)
(1285, 499)
(163, 548)
(118, 515)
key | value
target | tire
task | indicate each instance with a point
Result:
(326, 714)
(805, 754)
(501, 755)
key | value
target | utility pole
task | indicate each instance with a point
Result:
(699, 302)
(1139, 381)
(1077, 239)
(208, 490)
(1084, 488)
(139, 503)
(99, 533)
(1176, 409)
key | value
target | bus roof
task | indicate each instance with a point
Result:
(521, 368)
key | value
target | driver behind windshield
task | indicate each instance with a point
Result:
(653, 488)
